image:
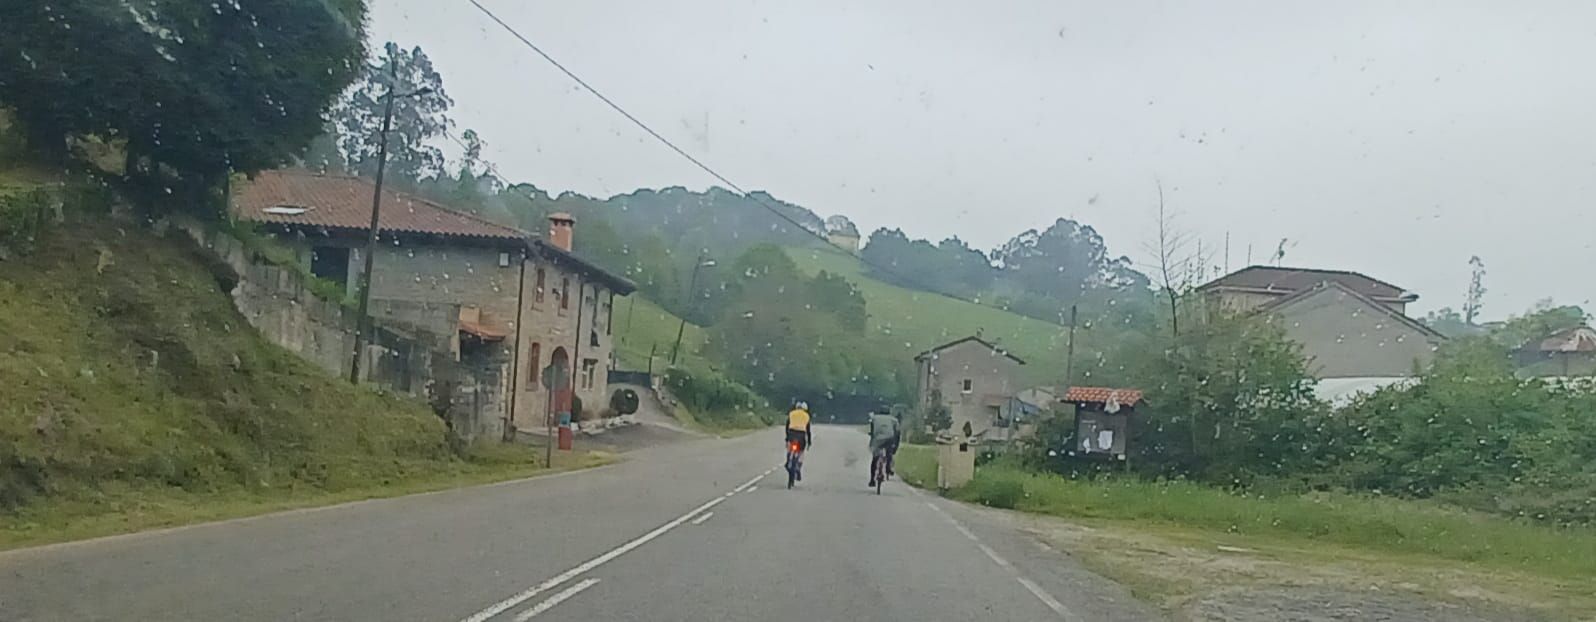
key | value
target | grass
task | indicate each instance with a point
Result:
(118, 509)
(1170, 542)
(921, 320)
(642, 325)
(135, 396)
(1380, 524)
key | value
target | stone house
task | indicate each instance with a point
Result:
(1350, 325)
(973, 378)
(503, 302)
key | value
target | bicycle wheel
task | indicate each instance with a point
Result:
(792, 470)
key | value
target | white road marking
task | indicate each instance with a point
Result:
(1036, 590)
(556, 599)
(1047, 599)
(752, 488)
(702, 517)
(527, 594)
(751, 482)
(993, 554)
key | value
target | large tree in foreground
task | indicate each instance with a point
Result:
(190, 90)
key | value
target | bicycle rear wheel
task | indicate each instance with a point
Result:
(792, 470)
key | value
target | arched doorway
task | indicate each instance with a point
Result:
(559, 374)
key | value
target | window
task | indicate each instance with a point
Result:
(504, 260)
(534, 365)
(565, 293)
(969, 386)
(537, 295)
(331, 263)
(589, 368)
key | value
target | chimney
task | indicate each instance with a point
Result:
(561, 227)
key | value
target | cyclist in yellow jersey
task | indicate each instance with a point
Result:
(799, 430)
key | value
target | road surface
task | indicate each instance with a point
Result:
(698, 530)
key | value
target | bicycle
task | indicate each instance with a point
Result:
(793, 463)
(878, 465)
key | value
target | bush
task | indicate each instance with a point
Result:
(718, 400)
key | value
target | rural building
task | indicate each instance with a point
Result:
(1568, 352)
(505, 303)
(1350, 325)
(973, 378)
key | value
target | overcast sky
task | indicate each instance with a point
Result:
(1391, 138)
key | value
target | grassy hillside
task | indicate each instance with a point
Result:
(128, 383)
(920, 320)
(641, 325)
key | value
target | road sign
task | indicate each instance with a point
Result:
(554, 376)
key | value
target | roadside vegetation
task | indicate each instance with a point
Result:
(136, 396)
(1174, 542)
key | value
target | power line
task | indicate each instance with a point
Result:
(706, 168)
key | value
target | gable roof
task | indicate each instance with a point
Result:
(619, 284)
(1283, 281)
(1368, 301)
(305, 199)
(928, 353)
(1125, 397)
(1576, 339)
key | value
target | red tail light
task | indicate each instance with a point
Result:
(793, 446)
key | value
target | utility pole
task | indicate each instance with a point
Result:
(363, 321)
(692, 296)
(1069, 352)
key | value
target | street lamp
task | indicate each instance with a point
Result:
(363, 321)
(692, 294)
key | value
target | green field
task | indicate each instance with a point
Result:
(917, 320)
(642, 326)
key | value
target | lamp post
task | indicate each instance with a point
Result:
(363, 320)
(692, 294)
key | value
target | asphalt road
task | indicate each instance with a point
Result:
(698, 530)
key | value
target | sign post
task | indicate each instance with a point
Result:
(552, 376)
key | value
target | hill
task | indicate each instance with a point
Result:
(920, 320)
(131, 383)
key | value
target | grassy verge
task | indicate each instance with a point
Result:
(118, 509)
(1174, 542)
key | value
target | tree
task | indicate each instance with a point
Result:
(1538, 323)
(1476, 293)
(938, 416)
(417, 120)
(1177, 266)
(191, 91)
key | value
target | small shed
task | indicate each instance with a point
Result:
(1102, 420)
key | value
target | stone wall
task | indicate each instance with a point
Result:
(414, 348)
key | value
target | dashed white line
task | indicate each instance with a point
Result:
(527, 594)
(556, 599)
(1047, 599)
(751, 489)
(993, 554)
(1036, 590)
(702, 517)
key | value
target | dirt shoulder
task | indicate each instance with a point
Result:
(1200, 576)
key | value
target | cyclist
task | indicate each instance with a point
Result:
(885, 432)
(799, 431)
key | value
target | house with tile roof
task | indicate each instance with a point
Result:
(511, 305)
(1350, 325)
(972, 377)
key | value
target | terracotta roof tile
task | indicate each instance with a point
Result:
(1126, 397)
(290, 197)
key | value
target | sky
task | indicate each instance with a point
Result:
(1393, 138)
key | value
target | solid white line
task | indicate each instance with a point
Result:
(556, 599)
(967, 533)
(702, 517)
(527, 594)
(1046, 598)
(993, 554)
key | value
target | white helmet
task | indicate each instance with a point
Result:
(801, 405)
